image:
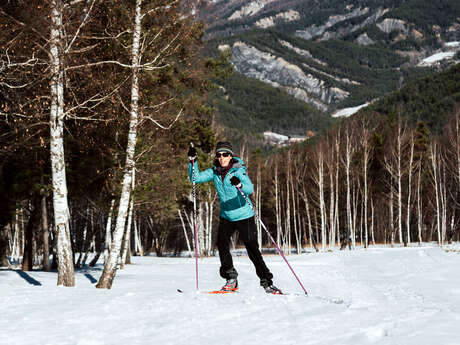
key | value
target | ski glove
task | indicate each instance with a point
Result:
(191, 153)
(235, 181)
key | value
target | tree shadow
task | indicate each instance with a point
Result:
(28, 278)
(91, 278)
(88, 273)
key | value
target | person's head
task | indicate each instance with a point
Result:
(224, 153)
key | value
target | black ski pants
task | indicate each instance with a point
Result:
(248, 233)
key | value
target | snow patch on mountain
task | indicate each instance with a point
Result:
(349, 111)
(435, 58)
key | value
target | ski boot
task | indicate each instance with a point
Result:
(230, 285)
(273, 290)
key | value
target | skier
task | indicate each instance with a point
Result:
(229, 174)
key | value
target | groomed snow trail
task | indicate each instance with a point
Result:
(404, 296)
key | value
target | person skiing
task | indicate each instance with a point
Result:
(229, 175)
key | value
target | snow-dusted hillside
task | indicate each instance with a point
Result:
(407, 296)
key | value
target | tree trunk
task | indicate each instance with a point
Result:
(434, 164)
(110, 266)
(127, 236)
(4, 245)
(108, 232)
(409, 195)
(31, 229)
(348, 154)
(46, 247)
(66, 274)
(184, 228)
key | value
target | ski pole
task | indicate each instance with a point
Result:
(194, 221)
(271, 238)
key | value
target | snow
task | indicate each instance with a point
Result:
(275, 138)
(379, 295)
(349, 111)
(436, 57)
(452, 44)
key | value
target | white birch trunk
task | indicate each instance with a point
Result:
(392, 226)
(184, 228)
(66, 274)
(258, 199)
(192, 229)
(127, 236)
(310, 230)
(137, 239)
(399, 174)
(108, 232)
(45, 230)
(111, 264)
(354, 205)
(332, 209)
(411, 162)
(277, 208)
(16, 250)
(321, 200)
(366, 188)
(200, 229)
(337, 159)
(435, 174)
(206, 229)
(443, 192)
(347, 171)
(372, 222)
(419, 206)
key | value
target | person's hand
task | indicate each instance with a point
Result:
(191, 153)
(235, 181)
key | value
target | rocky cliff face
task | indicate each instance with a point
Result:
(331, 53)
(279, 73)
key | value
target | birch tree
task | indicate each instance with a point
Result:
(108, 274)
(348, 154)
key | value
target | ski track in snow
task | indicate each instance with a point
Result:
(401, 296)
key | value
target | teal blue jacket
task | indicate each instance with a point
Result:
(233, 206)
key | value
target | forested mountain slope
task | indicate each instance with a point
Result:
(432, 99)
(329, 54)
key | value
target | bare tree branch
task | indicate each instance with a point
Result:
(159, 8)
(160, 125)
(83, 22)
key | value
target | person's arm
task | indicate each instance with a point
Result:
(241, 177)
(200, 176)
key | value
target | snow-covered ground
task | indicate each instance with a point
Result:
(404, 296)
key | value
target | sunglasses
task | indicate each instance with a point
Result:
(222, 154)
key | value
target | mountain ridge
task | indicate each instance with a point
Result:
(334, 54)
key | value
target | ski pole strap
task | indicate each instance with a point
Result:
(273, 241)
